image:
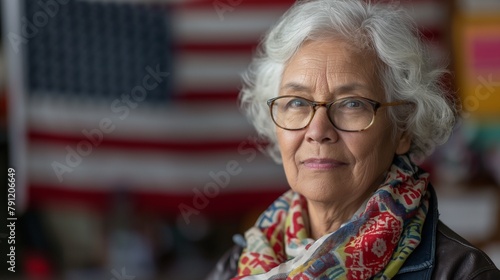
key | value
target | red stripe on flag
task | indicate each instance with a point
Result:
(427, 33)
(434, 34)
(217, 47)
(404, 2)
(187, 146)
(234, 4)
(230, 5)
(206, 96)
(230, 204)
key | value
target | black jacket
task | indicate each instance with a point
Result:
(442, 254)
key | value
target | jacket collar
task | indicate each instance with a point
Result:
(424, 255)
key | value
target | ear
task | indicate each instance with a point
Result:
(403, 144)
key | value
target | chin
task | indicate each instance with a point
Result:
(316, 191)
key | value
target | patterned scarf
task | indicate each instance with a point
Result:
(374, 244)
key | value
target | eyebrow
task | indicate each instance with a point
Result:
(296, 87)
(339, 90)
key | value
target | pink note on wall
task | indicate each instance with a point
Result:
(485, 54)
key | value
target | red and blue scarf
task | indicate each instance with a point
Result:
(374, 244)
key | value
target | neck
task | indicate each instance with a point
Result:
(324, 219)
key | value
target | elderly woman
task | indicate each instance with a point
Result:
(347, 99)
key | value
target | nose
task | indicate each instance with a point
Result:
(320, 129)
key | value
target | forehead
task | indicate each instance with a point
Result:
(327, 65)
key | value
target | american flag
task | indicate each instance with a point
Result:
(142, 96)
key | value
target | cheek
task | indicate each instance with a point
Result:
(289, 142)
(364, 146)
(373, 152)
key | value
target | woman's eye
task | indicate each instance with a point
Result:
(352, 104)
(296, 103)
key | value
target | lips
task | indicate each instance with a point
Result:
(322, 163)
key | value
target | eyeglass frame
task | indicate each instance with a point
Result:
(315, 104)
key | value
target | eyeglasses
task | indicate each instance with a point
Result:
(352, 114)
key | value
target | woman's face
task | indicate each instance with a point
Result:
(322, 163)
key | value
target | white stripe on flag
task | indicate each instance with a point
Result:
(217, 72)
(107, 168)
(202, 25)
(170, 121)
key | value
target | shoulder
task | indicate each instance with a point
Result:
(227, 266)
(458, 259)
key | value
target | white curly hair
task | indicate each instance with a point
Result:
(406, 71)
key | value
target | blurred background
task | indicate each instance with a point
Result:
(132, 160)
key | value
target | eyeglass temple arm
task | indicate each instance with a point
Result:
(397, 103)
